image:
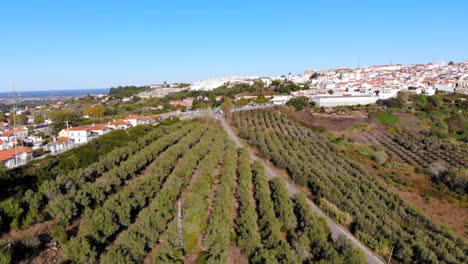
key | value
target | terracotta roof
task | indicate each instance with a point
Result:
(62, 139)
(13, 131)
(137, 117)
(98, 127)
(120, 122)
(10, 153)
(179, 102)
(78, 128)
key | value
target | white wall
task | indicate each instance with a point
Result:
(332, 101)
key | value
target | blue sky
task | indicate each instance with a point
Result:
(97, 44)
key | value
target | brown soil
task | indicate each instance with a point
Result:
(409, 122)
(333, 121)
(235, 256)
(53, 254)
(191, 258)
(34, 230)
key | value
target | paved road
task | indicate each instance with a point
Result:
(336, 229)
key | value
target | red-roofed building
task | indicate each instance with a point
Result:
(100, 129)
(78, 135)
(136, 120)
(22, 155)
(119, 124)
(11, 136)
(20, 132)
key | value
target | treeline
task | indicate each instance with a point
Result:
(380, 218)
(126, 91)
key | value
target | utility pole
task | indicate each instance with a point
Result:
(180, 224)
(68, 131)
(390, 257)
(14, 124)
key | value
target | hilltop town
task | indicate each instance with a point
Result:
(36, 132)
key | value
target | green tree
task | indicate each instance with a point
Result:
(261, 99)
(39, 119)
(283, 204)
(299, 103)
(95, 111)
(19, 119)
(227, 106)
(60, 116)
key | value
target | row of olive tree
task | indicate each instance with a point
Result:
(195, 213)
(219, 230)
(67, 207)
(276, 248)
(313, 161)
(248, 237)
(135, 242)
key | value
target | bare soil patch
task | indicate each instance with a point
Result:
(334, 121)
(409, 122)
(235, 256)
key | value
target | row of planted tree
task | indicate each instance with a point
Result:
(347, 192)
(186, 195)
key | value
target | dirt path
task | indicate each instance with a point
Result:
(336, 230)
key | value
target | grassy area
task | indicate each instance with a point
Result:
(387, 118)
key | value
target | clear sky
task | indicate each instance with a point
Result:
(98, 44)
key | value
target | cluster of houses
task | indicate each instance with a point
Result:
(17, 145)
(10, 153)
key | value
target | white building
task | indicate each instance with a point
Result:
(332, 101)
(100, 129)
(446, 86)
(280, 100)
(210, 84)
(15, 156)
(138, 120)
(11, 136)
(79, 135)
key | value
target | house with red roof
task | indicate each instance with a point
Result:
(100, 129)
(11, 136)
(78, 135)
(15, 156)
(136, 120)
(119, 124)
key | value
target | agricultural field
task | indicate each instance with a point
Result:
(428, 172)
(178, 193)
(347, 192)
